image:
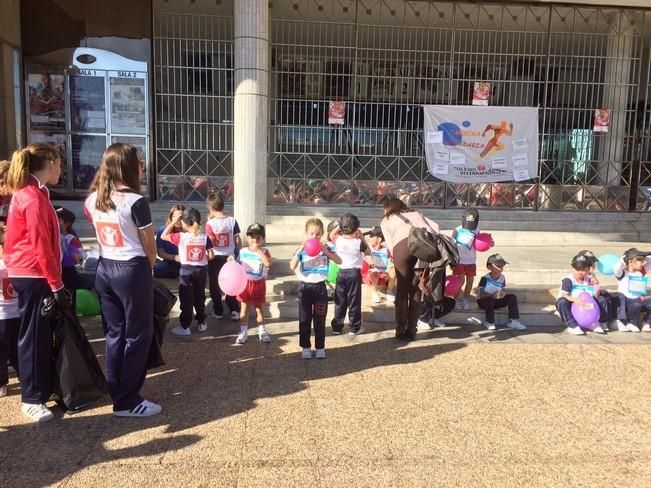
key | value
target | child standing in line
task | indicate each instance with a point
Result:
(312, 293)
(571, 287)
(466, 270)
(9, 322)
(633, 284)
(379, 274)
(193, 247)
(256, 260)
(492, 296)
(348, 291)
(224, 234)
(72, 252)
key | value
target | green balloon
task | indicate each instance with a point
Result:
(87, 303)
(333, 272)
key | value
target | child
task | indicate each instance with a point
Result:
(633, 290)
(492, 296)
(333, 233)
(430, 318)
(256, 261)
(571, 287)
(193, 247)
(312, 293)
(467, 267)
(379, 274)
(224, 234)
(72, 252)
(9, 322)
(348, 291)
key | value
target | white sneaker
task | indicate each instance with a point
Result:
(320, 353)
(307, 353)
(621, 326)
(646, 327)
(359, 331)
(235, 315)
(36, 412)
(632, 327)
(144, 409)
(391, 298)
(439, 323)
(466, 304)
(598, 330)
(180, 331)
(242, 337)
(422, 325)
(489, 325)
(516, 324)
(202, 327)
(264, 336)
(604, 326)
(575, 331)
(3, 391)
(377, 298)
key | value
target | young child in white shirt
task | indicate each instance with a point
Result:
(633, 285)
(492, 295)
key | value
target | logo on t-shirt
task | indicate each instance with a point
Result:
(194, 253)
(222, 239)
(8, 292)
(110, 234)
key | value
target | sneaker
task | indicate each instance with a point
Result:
(598, 330)
(390, 298)
(36, 412)
(621, 326)
(180, 331)
(632, 327)
(516, 324)
(466, 304)
(264, 336)
(202, 327)
(320, 353)
(218, 316)
(422, 325)
(646, 327)
(235, 315)
(3, 391)
(439, 323)
(335, 330)
(307, 353)
(144, 409)
(604, 326)
(575, 331)
(359, 331)
(241, 338)
(377, 298)
(489, 325)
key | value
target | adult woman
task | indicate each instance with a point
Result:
(33, 259)
(169, 265)
(396, 232)
(125, 233)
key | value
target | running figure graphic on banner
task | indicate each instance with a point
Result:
(498, 131)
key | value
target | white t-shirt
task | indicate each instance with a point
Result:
(381, 259)
(9, 297)
(117, 230)
(312, 269)
(465, 239)
(222, 232)
(570, 285)
(350, 251)
(192, 248)
(253, 265)
(490, 285)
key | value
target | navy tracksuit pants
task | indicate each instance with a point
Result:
(348, 298)
(488, 305)
(564, 308)
(427, 308)
(312, 309)
(126, 293)
(214, 267)
(192, 293)
(630, 309)
(34, 340)
(9, 329)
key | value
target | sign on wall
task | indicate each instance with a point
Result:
(466, 144)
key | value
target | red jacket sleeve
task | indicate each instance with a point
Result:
(48, 253)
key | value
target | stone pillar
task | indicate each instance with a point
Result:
(9, 42)
(251, 116)
(616, 97)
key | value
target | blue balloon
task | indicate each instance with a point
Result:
(606, 263)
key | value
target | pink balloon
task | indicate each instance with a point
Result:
(483, 242)
(232, 278)
(587, 317)
(312, 247)
(452, 285)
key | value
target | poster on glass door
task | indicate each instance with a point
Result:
(87, 102)
(128, 102)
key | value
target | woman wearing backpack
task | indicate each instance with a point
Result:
(396, 231)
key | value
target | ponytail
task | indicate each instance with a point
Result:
(192, 218)
(26, 161)
(195, 229)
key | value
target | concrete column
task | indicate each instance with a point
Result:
(9, 41)
(251, 116)
(616, 97)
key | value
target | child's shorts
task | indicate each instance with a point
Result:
(255, 293)
(469, 270)
(383, 278)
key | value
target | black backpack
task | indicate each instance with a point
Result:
(430, 246)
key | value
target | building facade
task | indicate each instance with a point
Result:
(239, 96)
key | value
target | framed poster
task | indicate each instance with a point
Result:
(128, 102)
(87, 102)
(87, 151)
(46, 100)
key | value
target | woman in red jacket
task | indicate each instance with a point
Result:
(33, 259)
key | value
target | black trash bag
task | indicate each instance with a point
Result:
(164, 301)
(77, 378)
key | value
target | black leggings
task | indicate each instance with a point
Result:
(407, 303)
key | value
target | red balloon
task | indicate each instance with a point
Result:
(312, 247)
(365, 268)
(232, 278)
(482, 242)
(452, 285)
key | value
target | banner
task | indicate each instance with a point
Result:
(466, 144)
